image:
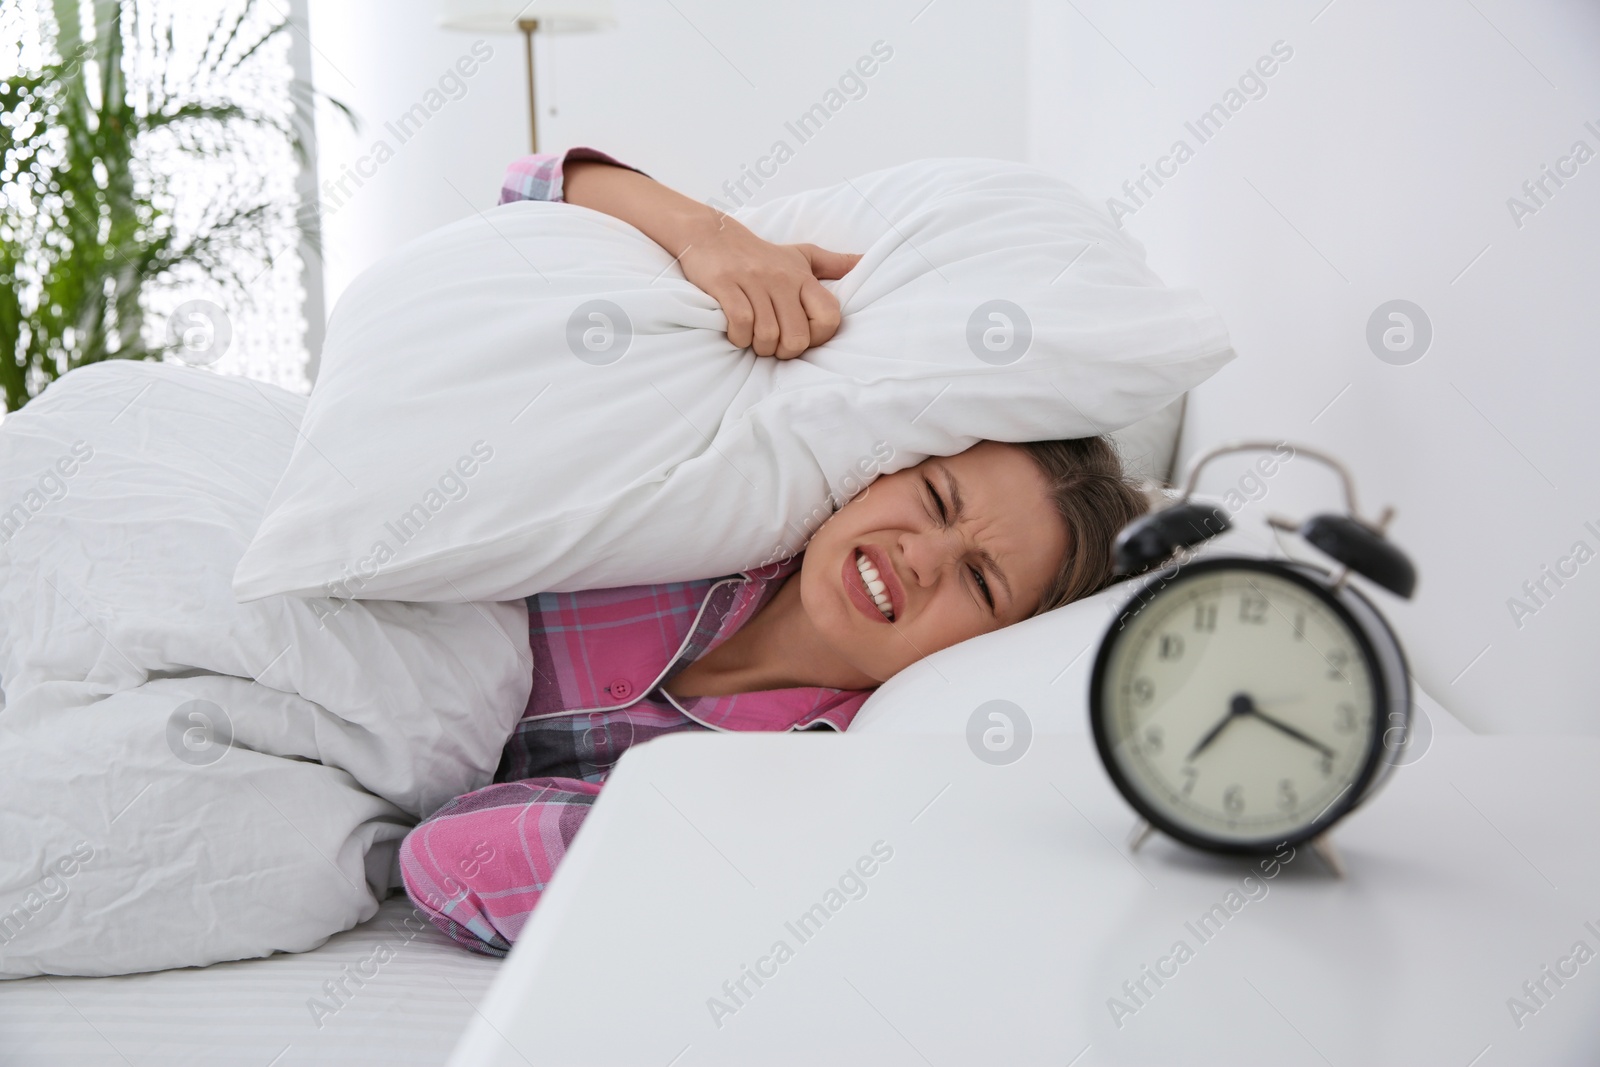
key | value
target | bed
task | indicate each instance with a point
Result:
(185, 779)
(335, 741)
(388, 989)
(253, 1013)
(269, 757)
(200, 790)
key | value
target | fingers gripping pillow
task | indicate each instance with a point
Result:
(536, 399)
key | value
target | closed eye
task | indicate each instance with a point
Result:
(944, 514)
(977, 576)
(944, 520)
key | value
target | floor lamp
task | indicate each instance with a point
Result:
(537, 16)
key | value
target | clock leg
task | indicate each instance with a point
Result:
(1322, 845)
(1136, 836)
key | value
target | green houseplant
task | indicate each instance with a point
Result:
(87, 226)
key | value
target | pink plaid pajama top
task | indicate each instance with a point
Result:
(478, 865)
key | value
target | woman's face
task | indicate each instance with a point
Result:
(963, 544)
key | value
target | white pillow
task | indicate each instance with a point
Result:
(1043, 665)
(536, 399)
(1150, 446)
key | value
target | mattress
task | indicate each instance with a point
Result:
(407, 994)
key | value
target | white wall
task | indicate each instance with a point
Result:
(1378, 165)
(688, 91)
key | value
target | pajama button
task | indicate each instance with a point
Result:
(620, 688)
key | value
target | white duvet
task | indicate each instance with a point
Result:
(183, 778)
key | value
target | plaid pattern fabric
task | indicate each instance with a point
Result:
(478, 866)
(538, 177)
(585, 746)
(602, 649)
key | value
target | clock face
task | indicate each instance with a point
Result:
(1238, 705)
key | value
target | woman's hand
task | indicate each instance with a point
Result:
(769, 293)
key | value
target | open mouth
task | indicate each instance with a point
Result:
(875, 587)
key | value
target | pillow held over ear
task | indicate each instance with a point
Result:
(536, 399)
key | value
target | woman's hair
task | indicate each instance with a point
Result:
(1096, 499)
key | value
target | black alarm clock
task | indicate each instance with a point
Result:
(1242, 704)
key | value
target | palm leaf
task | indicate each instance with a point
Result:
(83, 240)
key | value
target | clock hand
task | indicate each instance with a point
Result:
(1291, 731)
(1239, 705)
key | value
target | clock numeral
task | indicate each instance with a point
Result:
(1233, 799)
(1299, 626)
(1253, 609)
(1205, 618)
(1287, 798)
(1143, 690)
(1153, 738)
(1347, 719)
(1190, 777)
(1338, 660)
(1171, 647)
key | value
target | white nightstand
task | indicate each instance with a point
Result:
(1010, 920)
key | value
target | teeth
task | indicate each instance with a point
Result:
(875, 586)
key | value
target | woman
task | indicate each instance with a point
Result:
(925, 557)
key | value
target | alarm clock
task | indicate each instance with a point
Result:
(1243, 704)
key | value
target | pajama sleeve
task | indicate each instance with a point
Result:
(539, 176)
(478, 865)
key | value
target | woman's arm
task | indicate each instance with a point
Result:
(769, 292)
(478, 866)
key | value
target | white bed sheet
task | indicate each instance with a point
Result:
(261, 1012)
